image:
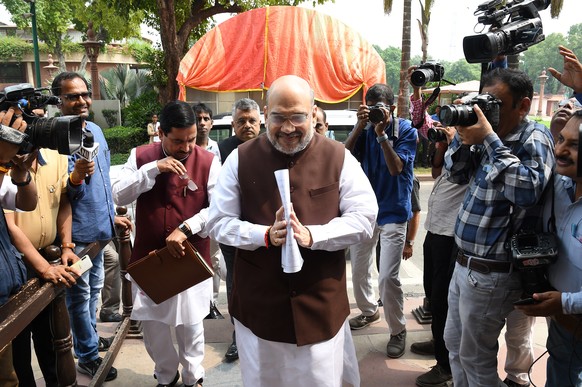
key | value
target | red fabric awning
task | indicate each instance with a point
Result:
(249, 51)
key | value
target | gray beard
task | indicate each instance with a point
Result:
(302, 144)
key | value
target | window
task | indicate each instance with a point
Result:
(12, 73)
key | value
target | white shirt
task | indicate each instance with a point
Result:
(131, 182)
(212, 147)
(358, 208)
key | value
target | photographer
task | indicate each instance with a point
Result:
(564, 306)
(385, 147)
(506, 169)
(12, 269)
(419, 114)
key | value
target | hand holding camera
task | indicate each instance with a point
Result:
(476, 133)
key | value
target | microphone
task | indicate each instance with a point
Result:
(88, 150)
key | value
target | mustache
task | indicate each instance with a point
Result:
(565, 160)
(289, 135)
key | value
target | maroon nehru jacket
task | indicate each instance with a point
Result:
(160, 210)
(311, 305)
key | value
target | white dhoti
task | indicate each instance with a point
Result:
(265, 363)
(185, 313)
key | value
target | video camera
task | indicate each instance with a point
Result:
(521, 29)
(63, 134)
(427, 72)
(464, 115)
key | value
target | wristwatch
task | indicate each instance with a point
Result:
(382, 138)
(68, 245)
(185, 229)
(410, 242)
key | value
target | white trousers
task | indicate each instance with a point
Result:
(157, 338)
(518, 339)
(362, 256)
(266, 363)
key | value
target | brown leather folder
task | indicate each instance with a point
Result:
(162, 276)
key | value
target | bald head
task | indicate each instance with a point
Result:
(289, 114)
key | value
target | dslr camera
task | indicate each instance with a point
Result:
(532, 254)
(427, 72)
(63, 134)
(515, 26)
(436, 135)
(376, 114)
(464, 115)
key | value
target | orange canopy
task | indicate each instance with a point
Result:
(249, 51)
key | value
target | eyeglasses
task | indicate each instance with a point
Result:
(565, 102)
(294, 119)
(75, 97)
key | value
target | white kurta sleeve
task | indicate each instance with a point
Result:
(132, 182)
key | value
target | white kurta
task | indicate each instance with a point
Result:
(190, 306)
(269, 363)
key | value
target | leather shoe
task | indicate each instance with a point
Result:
(105, 343)
(511, 383)
(214, 313)
(172, 383)
(114, 317)
(396, 345)
(232, 352)
(198, 383)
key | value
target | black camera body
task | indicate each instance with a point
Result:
(522, 29)
(376, 114)
(532, 253)
(63, 134)
(464, 115)
(427, 72)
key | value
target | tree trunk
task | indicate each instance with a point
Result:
(404, 61)
(170, 46)
(60, 55)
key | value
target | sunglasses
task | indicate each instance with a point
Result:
(74, 97)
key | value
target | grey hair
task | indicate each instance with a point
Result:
(245, 105)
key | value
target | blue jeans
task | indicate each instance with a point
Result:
(82, 305)
(564, 366)
(478, 306)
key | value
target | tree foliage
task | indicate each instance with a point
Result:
(54, 17)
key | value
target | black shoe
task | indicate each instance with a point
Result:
(424, 348)
(511, 383)
(214, 313)
(198, 383)
(91, 367)
(114, 317)
(437, 376)
(105, 343)
(172, 384)
(361, 321)
(232, 352)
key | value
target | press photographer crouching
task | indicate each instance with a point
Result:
(564, 305)
(506, 168)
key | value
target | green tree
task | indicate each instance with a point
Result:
(180, 20)
(391, 57)
(124, 84)
(461, 71)
(54, 17)
(540, 57)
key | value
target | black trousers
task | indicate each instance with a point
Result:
(228, 253)
(40, 329)
(440, 252)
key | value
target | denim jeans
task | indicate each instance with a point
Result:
(478, 306)
(564, 366)
(82, 305)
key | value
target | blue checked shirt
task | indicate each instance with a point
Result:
(504, 177)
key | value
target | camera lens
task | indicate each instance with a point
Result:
(376, 115)
(63, 134)
(461, 115)
(420, 77)
(483, 48)
(436, 135)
